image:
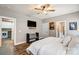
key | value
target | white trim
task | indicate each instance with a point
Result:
(0, 33)
(7, 17)
(14, 31)
(20, 43)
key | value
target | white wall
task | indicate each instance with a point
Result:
(45, 29)
(22, 28)
(21, 23)
(72, 17)
(46, 32)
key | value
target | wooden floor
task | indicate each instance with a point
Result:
(8, 48)
(21, 49)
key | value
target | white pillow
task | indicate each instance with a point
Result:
(61, 39)
(75, 40)
(66, 41)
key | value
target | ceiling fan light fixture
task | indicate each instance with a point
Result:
(45, 8)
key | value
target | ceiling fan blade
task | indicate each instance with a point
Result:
(37, 8)
(51, 10)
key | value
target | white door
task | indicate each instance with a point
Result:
(0, 32)
(45, 29)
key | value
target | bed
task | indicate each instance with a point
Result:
(53, 46)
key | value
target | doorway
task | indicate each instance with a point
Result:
(60, 29)
(8, 35)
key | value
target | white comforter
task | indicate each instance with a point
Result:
(47, 46)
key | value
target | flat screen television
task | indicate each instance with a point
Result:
(31, 23)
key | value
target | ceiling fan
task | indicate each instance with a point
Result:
(46, 8)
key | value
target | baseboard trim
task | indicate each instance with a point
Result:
(20, 43)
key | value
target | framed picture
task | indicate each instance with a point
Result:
(51, 25)
(73, 26)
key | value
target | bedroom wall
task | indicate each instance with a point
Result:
(72, 17)
(21, 24)
(45, 30)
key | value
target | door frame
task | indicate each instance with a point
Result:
(57, 22)
(0, 33)
(13, 29)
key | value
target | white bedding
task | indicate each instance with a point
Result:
(74, 50)
(73, 47)
(47, 46)
(52, 46)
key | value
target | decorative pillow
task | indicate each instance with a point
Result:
(75, 40)
(61, 39)
(66, 41)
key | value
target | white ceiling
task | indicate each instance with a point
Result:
(28, 9)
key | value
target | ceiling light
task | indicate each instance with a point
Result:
(45, 8)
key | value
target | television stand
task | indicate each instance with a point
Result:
(32, 37)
